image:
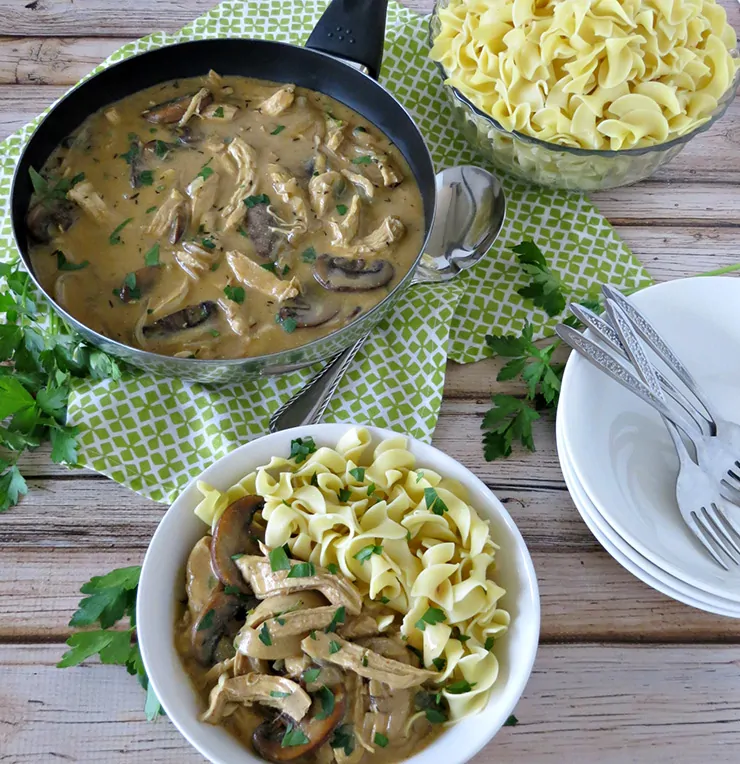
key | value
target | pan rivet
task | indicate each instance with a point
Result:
(340, 37)
(348, 31)
(330, 34)
(352, 40)
(339, 29)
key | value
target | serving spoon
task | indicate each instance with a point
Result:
(474, 211)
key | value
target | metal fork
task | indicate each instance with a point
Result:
(615, 368)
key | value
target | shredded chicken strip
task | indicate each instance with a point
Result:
(363, 661)
(166, 214)
(234, 315)
(279, 101)
(220, 112)
(91, 202)
(334, 133)
(195, 260)
(321, 191)
(254, 276)
(202, 192)
(287, 188)
(346, 229)
(194, 105)
(363, 183)
(245, 158)
(388, 232)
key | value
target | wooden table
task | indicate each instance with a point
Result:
(624, 674)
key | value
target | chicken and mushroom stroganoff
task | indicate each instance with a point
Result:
(223, 217)
(341, 609)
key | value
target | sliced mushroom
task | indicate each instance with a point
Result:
(186, 318)
(234, 534)
(268, 737)
(179, 224)
(259, 230)
(254, 276)
(220, 112)
(311, 309)
(245, 159)
(45, 220)
(321, 191)
(218, 619)
(146, 278)
(91, 202)
(169, 112)
(346, 274)
(186, 136)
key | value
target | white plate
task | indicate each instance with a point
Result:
(162, 581)
(628, 558)
(618, 447)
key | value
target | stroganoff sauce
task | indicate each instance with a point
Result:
(242, 218)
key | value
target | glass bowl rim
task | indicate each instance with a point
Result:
(723, 103)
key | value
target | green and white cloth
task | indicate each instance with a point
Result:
(154, 434)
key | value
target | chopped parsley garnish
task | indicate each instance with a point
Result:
(235, 293)
(286, 270)
(146, 178)
(364, 661)
(384, 600)
(315, 480)
(253, 201)
(232, 590)
(313, 634)
(344, 494)
(300, 448)
(435, 716)
(279, 560)
(152, 256)
(115, 237)
(237, 556)
(208, 243)
(458, 688)
(277, 694)
(512, 721)
(429, 702)
(293, 736)
(342, 209)
(311, 675)
(219, 112)
(433, 502)
(207, 621)
(371, 489)
(205, 171)
(439, 663)
(269, 267)
(418, 653)
(133, 152)
(65, 265)
(242, 232)
(432, 616)
(215, 266)
(308, 255)
(46, 192)
(368, 551)
(419, 477)
(333, 568)
(214, 333)
(265, 637)
(161, 149)
(129, 281)
(362, 160)
(302, 570)
(344, 737)
(279, 129)
(489, 643)
(337, 619)
(289, 325)
(151, 209)
(326, 698)
(334, 647)
(380, 740)
(358, 473)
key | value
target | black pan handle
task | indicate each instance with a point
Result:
(353, 30)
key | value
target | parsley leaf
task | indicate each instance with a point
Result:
(342, 209)
(279, 560)
(362, 160)
(433, 615)
(334, 647)
(311, 675)
(358, 473)
(279, 129)
(344, 495)
(489, 643)
(326, 698)
(293, 736)
(380, 740)
(337, 619)
(115, 237)
(344, 738)
(512, 721)
(269, 267)
(65, 265)
(434, 502)
(458, 688)
(205, 171)
(218, 112)
(301, 448)
(276, 694)
(302, 570)
(253, 201)
(264, 635)
(289, 324)
(152, 256)
(510, 418)
(368, 551)
(235, 293)
(439, 663)
(545, 288)
(333, 568)
(308, 255)
(12, 487)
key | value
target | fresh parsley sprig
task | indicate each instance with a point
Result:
(38, 360)
(111, 598)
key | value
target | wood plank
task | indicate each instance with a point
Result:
(583, 703)
(39, 592)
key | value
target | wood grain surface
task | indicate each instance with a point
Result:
(624, 674)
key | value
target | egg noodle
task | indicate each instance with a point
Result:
(593, 74)
(406, 537)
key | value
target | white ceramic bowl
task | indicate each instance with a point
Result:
(162, 584)
(621, 452)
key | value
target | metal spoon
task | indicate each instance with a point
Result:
(473, 208)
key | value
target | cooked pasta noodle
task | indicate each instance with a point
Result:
(593, 74)
(406, 536)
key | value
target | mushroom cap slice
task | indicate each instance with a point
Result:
(146, 278)
(44, 220)
(234, 535)
(187, 318)
(310, 309)
(346, 274)
(268, 737)
(168, 112)
(214, 622)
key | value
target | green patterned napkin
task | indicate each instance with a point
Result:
(154, 434)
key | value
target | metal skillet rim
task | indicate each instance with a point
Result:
(271, 359)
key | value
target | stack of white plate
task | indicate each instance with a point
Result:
(618, 460)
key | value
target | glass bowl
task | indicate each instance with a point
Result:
(553, 165)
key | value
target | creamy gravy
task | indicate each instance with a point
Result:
(243, 218)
